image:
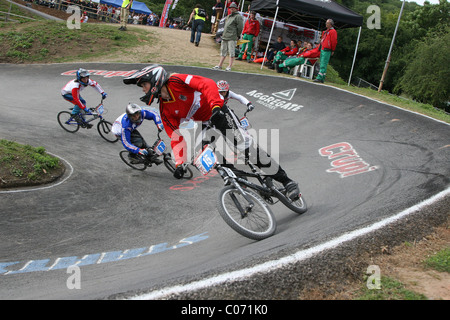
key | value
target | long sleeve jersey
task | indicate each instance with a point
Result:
(251, 27)
(191, 97)
(329, 39)
(123, 127)
(238, 97)
(74, 88)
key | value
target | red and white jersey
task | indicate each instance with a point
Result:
(191, 97)
(74, 88)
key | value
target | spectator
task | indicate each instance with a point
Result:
(198, 17)
(300, 59)
(289, 51)
(273, 50)
(234, 24)
(124, 13)
(328, 45)
(251, 31)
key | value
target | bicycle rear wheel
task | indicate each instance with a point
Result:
(67, 122)
(256, 223)
(104, 129)
(170, 165)
(137, 164)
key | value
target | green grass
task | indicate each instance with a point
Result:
(52, 41)
(439, 261)
(25, 161)
(391, 289)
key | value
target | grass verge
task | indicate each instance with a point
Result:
(23, 165)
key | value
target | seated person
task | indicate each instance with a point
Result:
(273, 50)
(310, 53)
(289, 51)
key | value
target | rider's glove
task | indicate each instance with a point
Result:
(250, 107)
(218, 117)
(143, 152)
(179, 172)
(104, 95)
(87, 110)
(160, 126)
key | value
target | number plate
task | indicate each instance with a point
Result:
(245, 123)
(206, 160)
(100, 109)
(160, 147)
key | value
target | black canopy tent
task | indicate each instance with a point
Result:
(309, 13)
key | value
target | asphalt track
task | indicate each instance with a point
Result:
(358, 162)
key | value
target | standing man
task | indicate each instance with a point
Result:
(124, 12)
(234, 24)
(327, 45)
(251, 31)
(199, 17)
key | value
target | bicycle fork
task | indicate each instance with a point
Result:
(250, 204)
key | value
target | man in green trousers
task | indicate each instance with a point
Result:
(328, 45)
(251, 31)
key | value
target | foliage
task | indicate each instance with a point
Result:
(426, 78)
(417, 24)
(25, 161)
(440, 261)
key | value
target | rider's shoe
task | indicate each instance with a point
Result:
(155, 159)
(292, 190)
(133, 158)
(88, 125)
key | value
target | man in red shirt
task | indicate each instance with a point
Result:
(183, 97)
(327, 45)
(250, 32)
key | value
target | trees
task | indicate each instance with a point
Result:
(426, 78)
(421, 27)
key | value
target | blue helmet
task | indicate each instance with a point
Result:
(81, 73)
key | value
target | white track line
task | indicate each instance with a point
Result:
(290, 259)
(46, 186)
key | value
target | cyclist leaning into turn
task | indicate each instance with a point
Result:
(183, 97)
(71, 92)
(125, 127)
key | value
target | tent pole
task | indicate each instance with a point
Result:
(354, 57)
(270, 36)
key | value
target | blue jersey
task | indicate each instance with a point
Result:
(123, 127)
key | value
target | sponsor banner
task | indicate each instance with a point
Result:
(165, 13)
(103, 73)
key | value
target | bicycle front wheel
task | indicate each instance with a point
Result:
(104, 129)
(67, 122)
(170, 165)
(256, 223)
(137, 164)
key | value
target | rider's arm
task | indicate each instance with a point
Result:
(206, 86)
(76, 98)
(239, 98)
(151, 115)
(96, 85)
(125, 136)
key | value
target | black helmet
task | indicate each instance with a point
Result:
(155, 75)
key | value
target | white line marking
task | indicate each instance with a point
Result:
(290, 259)
(46, 186)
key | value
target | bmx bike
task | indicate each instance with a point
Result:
(244, 205)
(69, 123)
(141, 162)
